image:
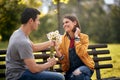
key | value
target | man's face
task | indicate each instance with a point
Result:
(36, 23)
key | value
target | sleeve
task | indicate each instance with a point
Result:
(82, 45)
(25, 50)
(61, 50)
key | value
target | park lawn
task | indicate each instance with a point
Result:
(3, 45)
(114, 52)
(115, 71)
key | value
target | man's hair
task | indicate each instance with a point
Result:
(29, 13)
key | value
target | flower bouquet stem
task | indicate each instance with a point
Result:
(52, 55)
(52, 52)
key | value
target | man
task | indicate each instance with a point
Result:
(20, 62)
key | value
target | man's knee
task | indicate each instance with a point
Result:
(60, 76)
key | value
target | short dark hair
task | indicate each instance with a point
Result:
(29, 13)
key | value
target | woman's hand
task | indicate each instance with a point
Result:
(77, 32)
(58, 54)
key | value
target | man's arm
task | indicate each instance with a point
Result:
(34, 67)
(41, 46)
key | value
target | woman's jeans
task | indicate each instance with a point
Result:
(85, 75)
(44, 75)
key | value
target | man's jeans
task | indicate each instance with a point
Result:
(44, 75)
(85, 75)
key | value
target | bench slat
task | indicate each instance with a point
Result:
(2, 66)
(41, 56)
(102, 59)
(58, 70)
(98, 52)
(97, 46)
(2, 58)
(2, 75)
(2, 52)
(103, 66)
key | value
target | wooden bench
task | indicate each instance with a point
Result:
(93, 50)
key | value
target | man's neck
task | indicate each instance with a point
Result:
(26, 29)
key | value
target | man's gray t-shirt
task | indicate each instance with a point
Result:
(19, 48)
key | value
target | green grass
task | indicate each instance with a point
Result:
(3, 45)
(115, 71)
(114, 52)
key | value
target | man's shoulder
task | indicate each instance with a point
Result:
(18, 38)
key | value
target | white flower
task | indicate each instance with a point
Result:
(54, 36)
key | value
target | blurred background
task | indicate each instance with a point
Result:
(100, 19)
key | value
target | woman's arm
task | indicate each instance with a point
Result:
(82, 45)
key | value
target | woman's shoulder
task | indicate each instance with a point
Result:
(83, 34)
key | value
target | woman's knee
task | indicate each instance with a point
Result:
(85, 70)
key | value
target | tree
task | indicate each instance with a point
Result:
(58, 2)
(10, 11)
(115, 23)
(9, 17)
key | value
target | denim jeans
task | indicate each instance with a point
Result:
(44, 75)
(85, 75)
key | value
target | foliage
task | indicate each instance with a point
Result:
(62, 1)
(47, 24)
(9, 17)
(115, 24)
(31, 3)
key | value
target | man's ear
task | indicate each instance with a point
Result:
(30, 20)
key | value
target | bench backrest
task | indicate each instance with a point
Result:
(41, 57)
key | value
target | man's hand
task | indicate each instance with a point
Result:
(51, 61)
(52, 43)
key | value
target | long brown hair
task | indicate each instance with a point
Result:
(73, 18)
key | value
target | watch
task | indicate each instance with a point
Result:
(61, 58)
(77, 39)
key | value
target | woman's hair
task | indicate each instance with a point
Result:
(73, 18)
(29, 13)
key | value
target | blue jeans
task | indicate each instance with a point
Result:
(85, 75)
(44, 75)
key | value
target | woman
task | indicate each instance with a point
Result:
(72, 52)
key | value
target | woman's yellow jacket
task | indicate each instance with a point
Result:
(81, 50)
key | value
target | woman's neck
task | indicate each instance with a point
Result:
(71, 34)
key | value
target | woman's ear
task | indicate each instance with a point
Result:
(75, 23)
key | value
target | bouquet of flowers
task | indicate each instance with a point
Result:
(56, 37)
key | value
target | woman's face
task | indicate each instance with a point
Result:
(68, 25)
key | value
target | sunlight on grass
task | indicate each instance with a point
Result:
(115, 71)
